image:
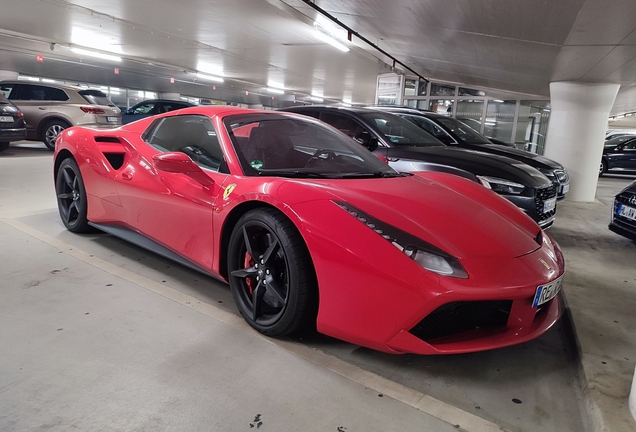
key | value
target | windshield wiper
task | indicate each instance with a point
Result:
(375, 174)
(296, 173)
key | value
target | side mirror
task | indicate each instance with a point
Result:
(367, 140)
(177, 162)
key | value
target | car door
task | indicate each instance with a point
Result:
(174, 209)
(625, 158)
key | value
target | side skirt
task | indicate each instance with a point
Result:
(148, 244)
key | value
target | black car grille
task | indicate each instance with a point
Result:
(540, 197)
(457, 317)
(620, 220)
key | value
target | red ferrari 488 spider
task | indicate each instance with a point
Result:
(309, 227)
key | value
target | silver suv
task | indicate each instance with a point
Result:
(50, 108)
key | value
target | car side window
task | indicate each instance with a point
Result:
(55, 94)
(193, 135)
(9, 91)
(428, 126)
(343, 123)
(630, 146)
(144, 109)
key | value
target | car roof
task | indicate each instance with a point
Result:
(165, 100)
(46, 84)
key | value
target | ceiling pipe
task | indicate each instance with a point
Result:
(321, 11)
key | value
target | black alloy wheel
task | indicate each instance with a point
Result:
(603, 168)
(51, 130)
(270, 273)
(71, 197)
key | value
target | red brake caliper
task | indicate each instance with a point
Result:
(249, 262)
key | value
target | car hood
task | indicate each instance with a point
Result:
(532, 159)
(473, 161)
(452, 213)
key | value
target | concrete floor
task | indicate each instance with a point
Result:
(96, 334)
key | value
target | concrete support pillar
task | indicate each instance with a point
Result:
(169, 96)
(8, 75)
(576, 134)
(632, 398)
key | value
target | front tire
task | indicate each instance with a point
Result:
(71, 197)
(270, 273)
(50, 132)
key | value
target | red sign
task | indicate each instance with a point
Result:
(171, 80)
(39, 58)
(213, 87)
(116, 71)
(246, 93)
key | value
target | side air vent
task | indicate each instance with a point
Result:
(112, 149)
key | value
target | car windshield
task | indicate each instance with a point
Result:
(399, 131)
(291, 146)
(462, 131)
(96, 97)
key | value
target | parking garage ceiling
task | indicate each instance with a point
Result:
(514, 45)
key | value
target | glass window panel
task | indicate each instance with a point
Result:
(463, 91)
(388, 99)
(442, 90)
(532, 125)
(422, 104)
(410, 87)
(441, 106)
(412, 103)
(500, 117)
(389, 82)
(470, 112)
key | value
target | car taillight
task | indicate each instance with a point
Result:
(92, 110)
(20, 114)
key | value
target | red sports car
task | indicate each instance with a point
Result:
(309, 227)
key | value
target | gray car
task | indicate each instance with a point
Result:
(50, 108)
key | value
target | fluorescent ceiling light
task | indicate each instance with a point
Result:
(497, 100)
(620, 116)
(331, 41)
(82, 51)
(46, 80)
(209, 77)
(275, 90)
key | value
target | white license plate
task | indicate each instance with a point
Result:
(547, 292)
(626, 212)
(549, 205)
(111, 119)
(6, 119)
(565, 189)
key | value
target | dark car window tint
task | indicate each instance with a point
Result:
(167, 107)
(428, 126)
(96, 97)
(343, 123)
(462, 131)
(40, 93)
(193, 135)
(618, 140)
(299, 147)
(630, 145)
(399, 131)
(57, 94)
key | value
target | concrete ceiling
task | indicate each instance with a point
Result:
(513, 45)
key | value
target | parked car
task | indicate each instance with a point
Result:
(152, 107)
(455, 133)
(617, 134)
(308, 227)
(12, 127)
(50, 108)
(618, 158)
(406, 145)
(624, 212)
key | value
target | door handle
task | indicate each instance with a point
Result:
(41, 108)
(126, 176)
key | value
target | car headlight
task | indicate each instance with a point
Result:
(562, 176)
(501, 185)
(423, 253)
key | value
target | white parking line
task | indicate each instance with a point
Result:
(463, 420)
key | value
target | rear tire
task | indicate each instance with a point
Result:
(71, 197)
(271, 274)
(50, 132)
(603, 168)
(3, 146)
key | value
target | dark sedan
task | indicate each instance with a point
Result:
(152, 107)
(624, 213)
(409, 148)
(619, 157)
(12, 126)
(453, 132)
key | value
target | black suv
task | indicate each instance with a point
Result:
(12, 126)
(619, 156)
(453, 132)
(624, 212)
(410, 148)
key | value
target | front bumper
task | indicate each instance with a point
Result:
(619, 224)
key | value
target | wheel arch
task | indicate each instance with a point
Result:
(61, 156)
(45, 121)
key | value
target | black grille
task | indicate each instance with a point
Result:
(457, 317)
(540, 196)
(621, 220)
